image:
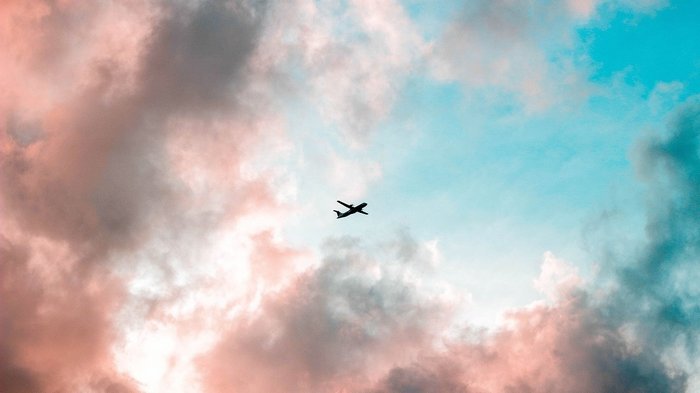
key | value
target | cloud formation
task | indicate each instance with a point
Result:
(58, 325)
(569, 347)
(129, 208)
(524, 50)
(353, 58)
(506, 46)
(355, 324)
(663, 278)
(84, 167)
(334, 327)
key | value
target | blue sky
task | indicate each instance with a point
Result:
(658, 47)
(497, 184)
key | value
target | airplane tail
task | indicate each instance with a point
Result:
(338, 213)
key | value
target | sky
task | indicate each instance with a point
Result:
(168, 171)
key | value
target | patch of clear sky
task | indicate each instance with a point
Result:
(662, 46)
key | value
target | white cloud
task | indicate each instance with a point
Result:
(557, 278)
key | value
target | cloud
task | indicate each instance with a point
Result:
(663, 278)
(568, 347)
(506, 45)
(344, 175)
(328, 332)
(131, 211)
(557, 278)
(197, 54)
(97, 175)
(526, 52)
(84, 171)
(363, 323)
(350, 59)
(57, 323)
(334, 327)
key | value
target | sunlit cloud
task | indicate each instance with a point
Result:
(150, 168)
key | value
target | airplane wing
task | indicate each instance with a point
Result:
(363, 212)
(345, 204)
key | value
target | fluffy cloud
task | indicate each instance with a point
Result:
(353, 58)
(358, 323)
(130, 208)
(556, 278)
(57, 322)
(84, 166)
(663, 279)
(569, 347)
(335, 327)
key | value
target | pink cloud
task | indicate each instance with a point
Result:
(356, 324)
(567, 347)
(126, 156)
(582, 8)
(354, 58)
(86, 118)
(333, 328)
(57, 323)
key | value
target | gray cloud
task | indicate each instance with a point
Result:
(95, 180)
(102, 176)
(569, 347)
(57, 326)
(435, 378)
(196, 56)
(661, 282)
(333, 327)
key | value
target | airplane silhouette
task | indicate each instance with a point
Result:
(352, 209)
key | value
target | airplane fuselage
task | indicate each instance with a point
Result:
(351, 210)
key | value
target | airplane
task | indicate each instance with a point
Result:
(352, 209)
